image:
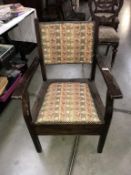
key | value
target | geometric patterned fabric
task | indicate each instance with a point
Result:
(67, 42)
(68, 102)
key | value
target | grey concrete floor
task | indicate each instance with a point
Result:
(17, 153)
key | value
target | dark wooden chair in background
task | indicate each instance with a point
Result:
(52, 11)
(69, 14)
(106, 8)
(106, 12)
(68, 107)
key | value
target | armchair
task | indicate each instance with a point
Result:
(73, 106)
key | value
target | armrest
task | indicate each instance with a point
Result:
(25, 80)
(112, 86)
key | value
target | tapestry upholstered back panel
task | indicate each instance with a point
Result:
(67, 42)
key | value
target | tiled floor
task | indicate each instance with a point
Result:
(17, 153)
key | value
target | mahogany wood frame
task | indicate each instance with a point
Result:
(30, 115)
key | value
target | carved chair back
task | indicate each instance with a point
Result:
(107, 6)
(105, 11)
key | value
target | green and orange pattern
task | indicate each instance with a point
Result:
(67, 42)
(68, 102)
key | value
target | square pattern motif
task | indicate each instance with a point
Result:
(68, 102)
(67, 42)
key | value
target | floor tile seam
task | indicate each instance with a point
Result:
(122, 110)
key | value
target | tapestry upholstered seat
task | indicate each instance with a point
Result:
(68, 103)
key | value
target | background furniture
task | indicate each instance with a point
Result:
(17, 33)
(106, 13)
(17, 20)
(36, 4)
(11, 71)
(61, 10)
(106, 8)
(68, 106)
(46, 11)
(75, 4)
(69, 14)
(52, 11)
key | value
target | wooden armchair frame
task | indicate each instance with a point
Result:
(30, 115)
